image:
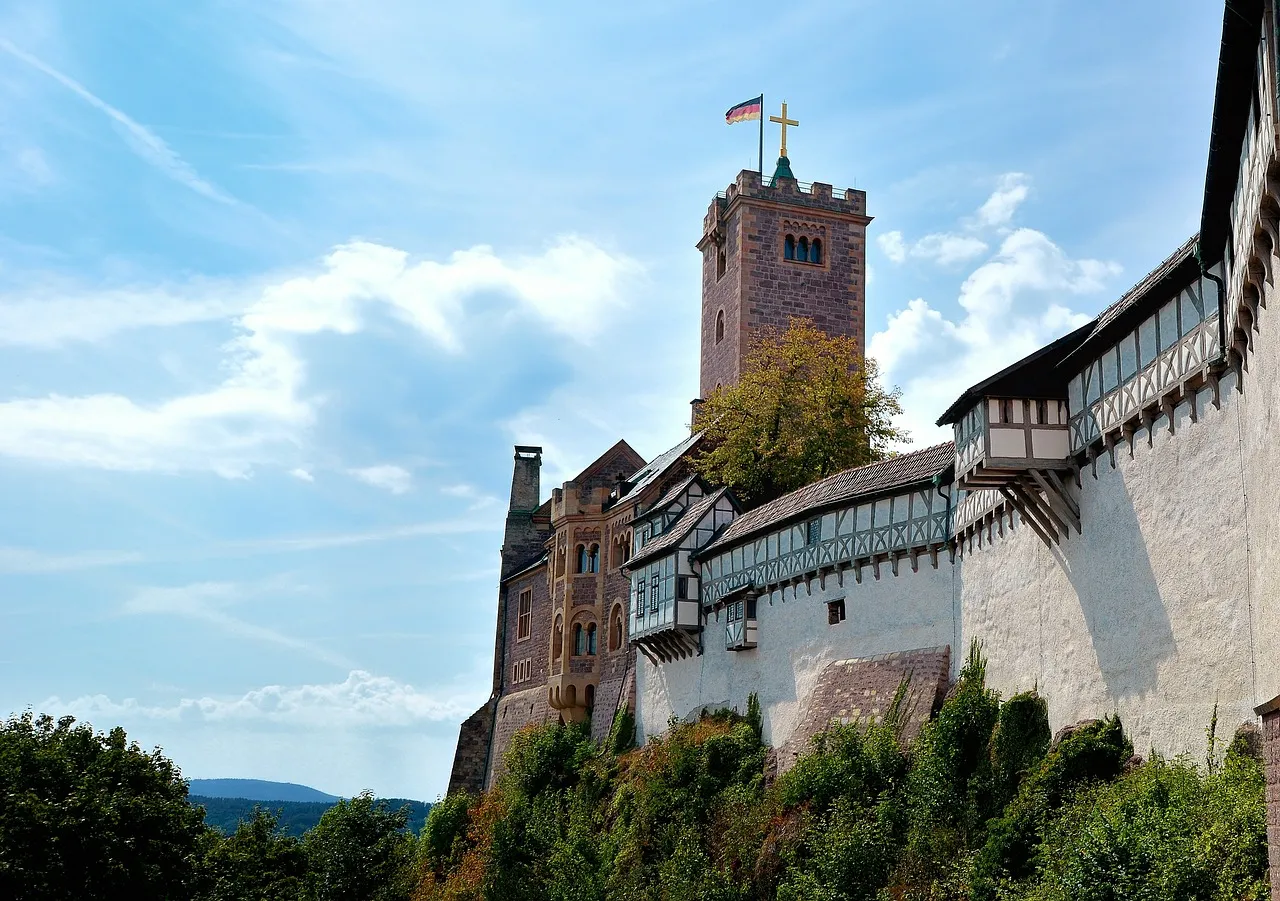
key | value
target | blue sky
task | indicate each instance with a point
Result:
(281, 282)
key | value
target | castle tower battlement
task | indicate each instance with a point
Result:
(773, 250)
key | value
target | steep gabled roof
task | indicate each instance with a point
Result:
(1035, 375)
(1175, 272)
(528, 566)
(648, 473)
(1237, 71)
(609, 466)
(864, 481)
(679, 530)
(670, 497)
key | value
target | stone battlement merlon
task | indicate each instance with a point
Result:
(814, 195)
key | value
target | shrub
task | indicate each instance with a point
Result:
(1095, 752)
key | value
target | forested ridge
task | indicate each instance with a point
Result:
(292, 817)
(983, 806)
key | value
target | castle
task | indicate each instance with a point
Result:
(1106, 520)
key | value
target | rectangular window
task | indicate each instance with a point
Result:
(1006, 410)
(524, 621)
(682, 587)
(653, 594)
(835, 612)
(1042, 412)
(813, 532)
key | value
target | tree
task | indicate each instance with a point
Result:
(90, 815)
(256, 861)
(359, 851)
(807, 406)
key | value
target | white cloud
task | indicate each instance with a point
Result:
(1010, 307)
(24, 560)
(258, 414)
(208, 603)
(892, 245)
(145, 143)
(302, 474)
(945, 248)
(391, 478)
(361, 700)
(1009, 194)
(949, 248)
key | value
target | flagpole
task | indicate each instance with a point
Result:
(762, 138)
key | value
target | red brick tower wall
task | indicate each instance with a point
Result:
(758, 288)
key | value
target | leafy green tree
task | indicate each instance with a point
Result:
(359, 851)
(90, 815)
(807, 406)
(257, 862)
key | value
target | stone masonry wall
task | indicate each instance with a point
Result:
(759, 288)
(472, 754)
(537, 647)
(863, 689)
(514, 712)
(1271, 760)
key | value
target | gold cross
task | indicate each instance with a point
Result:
(784, 122)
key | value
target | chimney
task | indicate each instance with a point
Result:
(696, 405)
(521, 539)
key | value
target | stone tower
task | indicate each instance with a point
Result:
(774, 250)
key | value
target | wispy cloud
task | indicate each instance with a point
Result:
(17, 560)
(145, 143)
(395, 479)
(360, 700)
(258, 414)
(207, 602)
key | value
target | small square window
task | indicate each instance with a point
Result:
(835, 612)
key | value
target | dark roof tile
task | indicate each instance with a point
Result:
(679, 529)
(895, 472)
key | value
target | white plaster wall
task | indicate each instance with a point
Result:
(896, 613)
(1147, 613)
(1258, 463)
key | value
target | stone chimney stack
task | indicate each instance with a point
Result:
(522, 538)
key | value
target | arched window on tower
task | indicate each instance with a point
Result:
(615, 628)
(593, 559)
(591, 639)
(557, 639)
(579, 640)
(582, 558)
(789, 248)
(815, 251)
(719, 326)
(722, 263)
(802, 252)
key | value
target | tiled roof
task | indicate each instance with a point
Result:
(532, 563)
(676, 490)
(1035, 375)
(1131, 300)
(904, 469)
(679, 529)
(654, 469)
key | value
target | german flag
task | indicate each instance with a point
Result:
(744, 112)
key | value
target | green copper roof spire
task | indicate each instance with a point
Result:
(783, 171)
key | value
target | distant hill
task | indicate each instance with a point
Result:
(295, 817)
(257, 790)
